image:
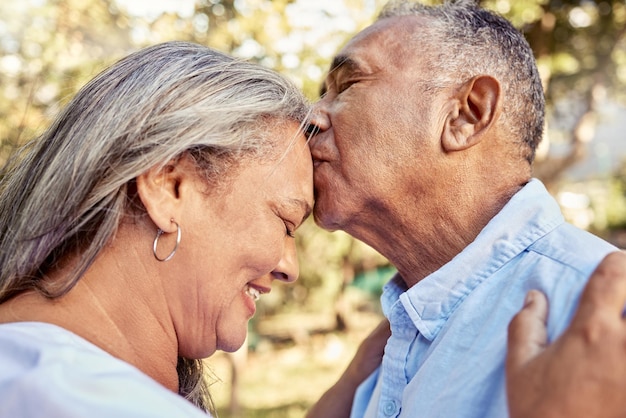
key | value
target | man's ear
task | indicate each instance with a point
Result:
(475, 108)
(159, 191)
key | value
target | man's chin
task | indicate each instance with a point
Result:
(325, 219)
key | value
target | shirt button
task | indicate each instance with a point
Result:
(389, 408)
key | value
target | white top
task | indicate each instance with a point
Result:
(47, 371)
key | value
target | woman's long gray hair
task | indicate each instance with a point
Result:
(64, 194)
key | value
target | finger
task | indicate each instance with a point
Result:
(383, 330)
(379, 336)
(606, 289)
(527, 331)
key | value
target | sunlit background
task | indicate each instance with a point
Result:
(305, 333)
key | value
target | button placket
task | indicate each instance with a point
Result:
(389, 408)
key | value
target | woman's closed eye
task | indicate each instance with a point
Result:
(290, 229)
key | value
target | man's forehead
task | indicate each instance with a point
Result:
(386, 40)
(390, 27)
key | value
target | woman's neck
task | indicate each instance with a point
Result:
(127, 320)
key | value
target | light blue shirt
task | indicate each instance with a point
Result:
(47, 371)
(445, 357)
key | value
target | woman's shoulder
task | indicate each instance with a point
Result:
(48, 371)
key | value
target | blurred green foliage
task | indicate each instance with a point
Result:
(616, 206)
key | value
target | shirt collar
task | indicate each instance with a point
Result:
(530, 214)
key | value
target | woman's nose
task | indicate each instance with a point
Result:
(288, 269)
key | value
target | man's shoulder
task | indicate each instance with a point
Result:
(572, 248)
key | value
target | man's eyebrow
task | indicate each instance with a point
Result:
(342, 61)
(339, 62)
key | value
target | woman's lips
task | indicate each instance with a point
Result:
(253, 293)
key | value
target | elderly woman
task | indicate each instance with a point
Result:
(138, 231)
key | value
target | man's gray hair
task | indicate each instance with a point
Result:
(465, 40)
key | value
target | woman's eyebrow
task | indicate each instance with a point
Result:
(298, 205)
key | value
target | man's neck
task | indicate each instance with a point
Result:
(418, 244)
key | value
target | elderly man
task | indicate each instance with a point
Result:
(427, 131)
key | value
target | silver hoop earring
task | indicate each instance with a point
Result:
(156, 241)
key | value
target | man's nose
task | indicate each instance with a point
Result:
(319, 122)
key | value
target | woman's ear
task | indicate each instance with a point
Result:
(475, 108)
(159, 191)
